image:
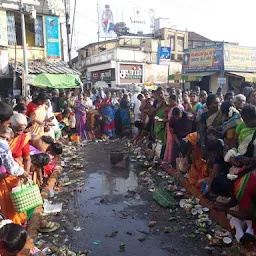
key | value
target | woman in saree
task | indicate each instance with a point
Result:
(193, 105)
(64, 101)
(242, 192)
(124, 113)
(19, 145)
(10, 176)
(108, 113)
(232, 119)
(80, 113)
(245, 133)
(12, 237)
(169, 142)
(36, 111)
(161, 118)
(198, 168)
(211, 122)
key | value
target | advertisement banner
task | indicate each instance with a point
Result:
(107, 75)
(202, 59)
(164, 55)
(131, 73)
(106, 20)
(52, 37)
(3, 28)
(238, 58)
(4, 62)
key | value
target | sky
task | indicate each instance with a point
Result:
(228, 20)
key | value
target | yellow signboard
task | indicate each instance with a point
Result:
(238, 58)
(202, 59)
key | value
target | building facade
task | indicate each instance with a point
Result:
(43, 38)
(124, 61)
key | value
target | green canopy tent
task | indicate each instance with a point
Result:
(57, 81)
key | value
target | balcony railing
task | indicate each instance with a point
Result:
(121, 55)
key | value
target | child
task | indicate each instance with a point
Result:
(218, 166)
(12, 237)
(39, 163)
(55, 150)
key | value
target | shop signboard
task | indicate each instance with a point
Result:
(4, 65)
(52, 37)
(239, 58)
(131, 73)
(164, 55)
(107, 75)
(202, 59)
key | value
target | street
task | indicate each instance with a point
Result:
(106, 212)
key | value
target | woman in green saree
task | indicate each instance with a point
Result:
(211, 122)
(161, 118)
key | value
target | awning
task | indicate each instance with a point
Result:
(57, 81)
(189, 77)
(249, 77)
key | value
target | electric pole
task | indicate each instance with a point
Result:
(67, 11)
(24, 42)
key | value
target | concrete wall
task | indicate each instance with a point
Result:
(32, 52)
(214, 84)
(158, 74)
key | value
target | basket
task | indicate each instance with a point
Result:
(27, 198)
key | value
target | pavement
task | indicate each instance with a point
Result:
(106, 212)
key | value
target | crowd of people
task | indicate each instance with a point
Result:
(215, 133)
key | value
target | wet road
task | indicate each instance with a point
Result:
(114, 208)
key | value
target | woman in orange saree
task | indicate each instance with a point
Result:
(10, 179)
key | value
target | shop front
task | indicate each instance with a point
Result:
(107, 76)
(202, 67)
(240, 65)
(225, 65)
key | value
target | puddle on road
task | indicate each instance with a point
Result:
(114, 182)
(111, 183)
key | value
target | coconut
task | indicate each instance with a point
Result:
(227, 240)
(194, 212)
(182, 203)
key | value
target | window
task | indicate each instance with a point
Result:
(39, 36)
(180, 57)
(11, 31)
(180, 44)
(33, 28)
(172, 43)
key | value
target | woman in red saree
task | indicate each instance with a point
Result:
(19, 144)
